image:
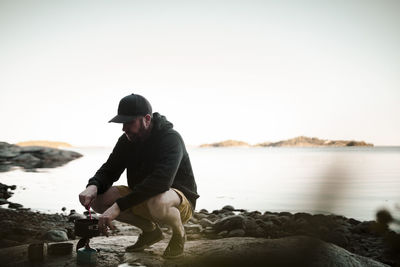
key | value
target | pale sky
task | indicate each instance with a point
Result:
(248, 70)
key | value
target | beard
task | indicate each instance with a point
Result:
(139, 136)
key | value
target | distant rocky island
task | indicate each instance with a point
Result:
(301, 141)
(33, 157)
(44, 143)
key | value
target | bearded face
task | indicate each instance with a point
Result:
(135, 130)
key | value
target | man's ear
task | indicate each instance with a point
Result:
(147, 118)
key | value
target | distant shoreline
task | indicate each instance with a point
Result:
(44, 143)
(301, 141)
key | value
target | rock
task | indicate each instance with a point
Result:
(4, 166)
(194, 236)
(4, 193)
(5, 243)
(193, 220)
(247, 251)
(363, 227)
(236, 232)
(26, 160)
(250, 226)
(302, 222)
(8, 150)
(223, 234)
(200, 216)
(3, 201)
(216, 212)
(229, 223)
(283, 219)
(193, 229)
(204, 211)
(25, 231)
(14, 205)
(337, 238)
(302, 215)
(254, 214)
(205, 222)
(267, 226)
(228, 208)
(226, 213)
(33, 157)
(271, 218)
(212, 217)
(56, 236)
(353, 221)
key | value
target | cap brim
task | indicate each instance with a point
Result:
(122, 119)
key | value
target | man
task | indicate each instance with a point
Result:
(161, 186)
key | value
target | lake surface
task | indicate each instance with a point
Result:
(350, 181)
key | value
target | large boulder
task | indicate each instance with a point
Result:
(248, 251)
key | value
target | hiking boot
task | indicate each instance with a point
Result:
(175, 247)
(146, 239)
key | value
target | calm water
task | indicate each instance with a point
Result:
(353, 182)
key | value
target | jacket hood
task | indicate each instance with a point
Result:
(161, 123)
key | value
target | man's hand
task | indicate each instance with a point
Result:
(88, 196)
(105, 219)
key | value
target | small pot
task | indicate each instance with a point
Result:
(37, 252)
(60, 249)
(87, 228)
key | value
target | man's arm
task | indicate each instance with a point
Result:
(112, 169)
(161, 178)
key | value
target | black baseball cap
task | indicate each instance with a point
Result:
(130, 107)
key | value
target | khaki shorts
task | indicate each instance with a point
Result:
(142, 209)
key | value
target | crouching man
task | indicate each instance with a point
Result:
(161, 185)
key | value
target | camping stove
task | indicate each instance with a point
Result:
(86, 228)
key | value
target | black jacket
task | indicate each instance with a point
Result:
(153, 167)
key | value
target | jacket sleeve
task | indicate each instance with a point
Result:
(111, 170)
(169, 156)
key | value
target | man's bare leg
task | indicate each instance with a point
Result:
(104, 201)
(164, 208)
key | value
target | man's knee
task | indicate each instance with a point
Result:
(157, 206)
(160, 204)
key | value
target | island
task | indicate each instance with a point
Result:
(44, 143)
(32, 157)
(300, 141)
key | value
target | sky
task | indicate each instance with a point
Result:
(248, 70)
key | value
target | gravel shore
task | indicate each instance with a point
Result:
(21, 226)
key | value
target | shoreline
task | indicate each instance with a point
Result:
(21, 226)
